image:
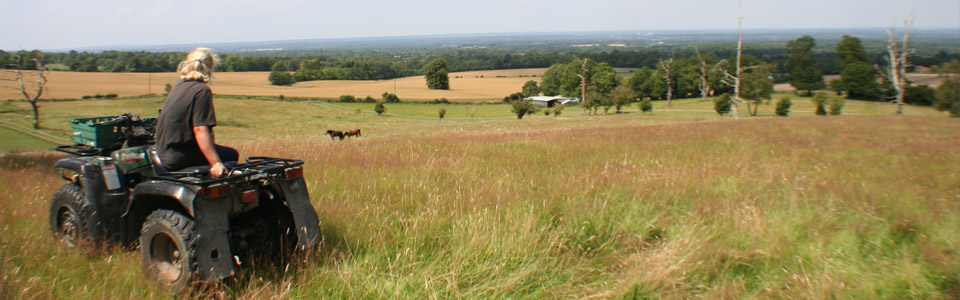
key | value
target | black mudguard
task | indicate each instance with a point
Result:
(108, 205)
(305, 218)
(211, 216)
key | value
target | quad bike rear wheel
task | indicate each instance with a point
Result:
(168, 247)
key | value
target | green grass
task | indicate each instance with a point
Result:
(676, 204)
(15, 141)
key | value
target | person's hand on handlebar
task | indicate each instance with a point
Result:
(218, 169)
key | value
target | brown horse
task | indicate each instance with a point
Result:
(335, 133)
(355, 132)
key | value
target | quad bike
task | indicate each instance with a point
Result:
(190, 227)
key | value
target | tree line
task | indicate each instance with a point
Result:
(702, 75)
(386, 64)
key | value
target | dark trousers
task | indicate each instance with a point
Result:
(227, 154)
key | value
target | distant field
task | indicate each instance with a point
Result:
(918, 79)
(468, 87)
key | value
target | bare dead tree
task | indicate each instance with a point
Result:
(704, 85)
(37, 89)
(665, 65)
(583, 84)
(734, 80)
(898, 60)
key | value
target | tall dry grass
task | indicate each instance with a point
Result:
(840, 207)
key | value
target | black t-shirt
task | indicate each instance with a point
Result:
(190, 104)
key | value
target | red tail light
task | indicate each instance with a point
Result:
(216, 191)
(292, 173)
(248, 196)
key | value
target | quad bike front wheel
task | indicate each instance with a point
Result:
(168, 247)
(72, 218)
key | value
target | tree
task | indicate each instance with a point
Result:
(897, 58)
(704, 85)
(655, 86)
(380, 108)
(436, 75)
(665, 66)
(948, 93)
(757, 86)
(722, 104)
(523, 107)
(279, 77)
(804, 75)
(552, 79)
(638, 79)
(36, 89)
(920, 95)
(836, 105)
(851, 50)
(819, 101)
(583, 82)
(530, 89)
(733, 80)
(390, 97)
(622, 96)
(442, 112)
(859, 80)
(646, 105)
(783, 106)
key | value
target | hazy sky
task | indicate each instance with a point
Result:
(67, 24)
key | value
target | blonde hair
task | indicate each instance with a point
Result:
(198, 65)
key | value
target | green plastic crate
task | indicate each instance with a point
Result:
(90, 132)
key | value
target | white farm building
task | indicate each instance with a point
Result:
(550, 101)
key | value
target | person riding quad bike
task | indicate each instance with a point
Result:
(190, 226)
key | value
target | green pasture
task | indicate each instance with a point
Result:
(246, 119)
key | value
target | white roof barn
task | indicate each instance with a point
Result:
(550, 101)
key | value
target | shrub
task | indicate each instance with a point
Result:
(920, 95)
(522, 108)
(281, 78)
(646, 106)
(347, 98)
(546, 112)
(513, 97)
(390, 98)
(442, 112)
(98, 96)
(557, 110)
(722, 104)
(167, 88)
(441, 101)
(380, 108)
(86, 97)
(369, 99)
(280, 97)
(819, 100)
(783, 106)
(836, 105)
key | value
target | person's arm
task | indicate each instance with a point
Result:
(205, 140)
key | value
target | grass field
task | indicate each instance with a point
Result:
(676, 204)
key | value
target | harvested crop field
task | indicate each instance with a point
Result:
(464, 86)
